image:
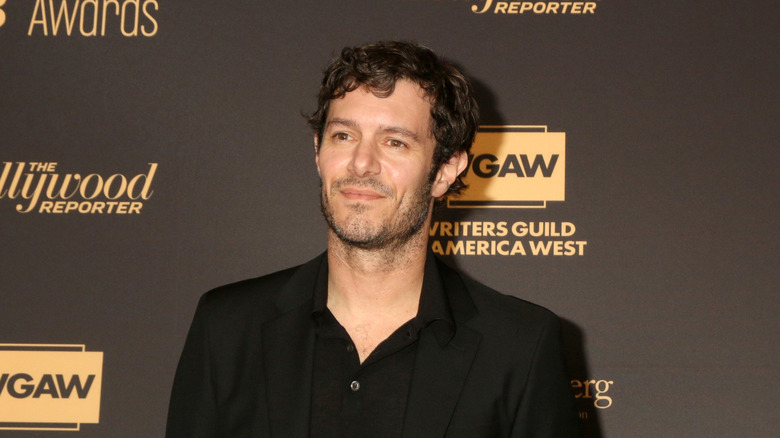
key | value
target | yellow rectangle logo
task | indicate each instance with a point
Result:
(49, 387)
(514, 167)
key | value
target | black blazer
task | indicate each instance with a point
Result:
(247, 364)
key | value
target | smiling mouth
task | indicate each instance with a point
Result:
(353, 189)
(356, 194)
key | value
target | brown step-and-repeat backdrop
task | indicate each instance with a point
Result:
(626, 177)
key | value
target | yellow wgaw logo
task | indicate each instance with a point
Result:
(2, 13)
(514, 167)
(49, 387)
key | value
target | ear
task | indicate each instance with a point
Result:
(317, 154)
(448, 173)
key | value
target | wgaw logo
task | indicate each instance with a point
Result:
(514, 167)
(2, 13)
(49, 387)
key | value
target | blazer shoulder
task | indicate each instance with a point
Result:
(250, 290)
(260, 295)
(508, 310)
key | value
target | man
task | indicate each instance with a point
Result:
(376, 338)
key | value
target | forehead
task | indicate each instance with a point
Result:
(407, 107)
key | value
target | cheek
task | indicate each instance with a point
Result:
(409, 180)
(327, 164)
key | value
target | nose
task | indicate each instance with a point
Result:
(365, 160)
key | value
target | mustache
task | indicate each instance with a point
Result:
(371, 183)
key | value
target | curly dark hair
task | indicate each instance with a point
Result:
(378, 66)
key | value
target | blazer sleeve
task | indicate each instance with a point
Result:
(192, 410)
(546, 409)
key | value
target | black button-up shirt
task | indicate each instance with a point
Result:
(355, 400)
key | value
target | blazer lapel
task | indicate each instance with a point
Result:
(439, 375)
(288, 349)
(441, 367)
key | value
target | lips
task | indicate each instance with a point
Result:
(361, 189)
(358, 194)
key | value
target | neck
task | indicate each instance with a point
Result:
(369, 282)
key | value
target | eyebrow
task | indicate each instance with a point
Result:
(342, 122)
(401, 131)
(388, 129)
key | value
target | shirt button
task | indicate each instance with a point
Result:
(350, 348)
(354, 386)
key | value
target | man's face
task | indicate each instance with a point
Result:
(375, 165)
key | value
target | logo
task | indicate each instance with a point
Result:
(38, 187)
(537, 8)
(49, 387)
(511, 167)
(514, 167)
(130, 18)
(2, 13)
(593, 391)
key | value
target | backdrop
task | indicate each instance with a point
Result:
(626, 177)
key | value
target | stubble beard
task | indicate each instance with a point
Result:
(394, 232)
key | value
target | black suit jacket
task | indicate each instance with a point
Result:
(247, 364)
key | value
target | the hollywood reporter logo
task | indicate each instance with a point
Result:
(535, 7)
(39, 187)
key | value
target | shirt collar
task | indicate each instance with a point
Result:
(433, 311)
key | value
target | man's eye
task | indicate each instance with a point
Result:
(341, 136)
(396, 143)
